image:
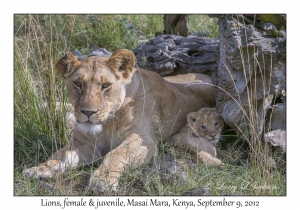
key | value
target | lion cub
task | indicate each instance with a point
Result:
(200, 134)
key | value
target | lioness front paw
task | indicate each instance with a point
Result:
(37, 172)
(44, 170)
(98, 183)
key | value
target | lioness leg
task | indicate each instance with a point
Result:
(72, 155)
(133, 151)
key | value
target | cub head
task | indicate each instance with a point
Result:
(96, 85)
(206, 123)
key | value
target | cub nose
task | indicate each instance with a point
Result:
(88, 112)
(213, 135)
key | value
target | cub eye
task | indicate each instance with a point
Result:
(203, 127)
(216, 124)
(77, 84)
(105, 86)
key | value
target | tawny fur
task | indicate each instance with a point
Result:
(199, 141)
(123, 106)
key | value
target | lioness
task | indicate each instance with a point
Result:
(117, 109)
(200, 134)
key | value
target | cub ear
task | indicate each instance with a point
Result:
(67, 64)
(214, 110)
(192, 117)
(122, 63)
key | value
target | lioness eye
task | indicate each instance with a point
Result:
(216, 124)
(203, 127)
(105, 85)
(77, 84)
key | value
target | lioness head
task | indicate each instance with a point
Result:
(206, 123)
(96, 85)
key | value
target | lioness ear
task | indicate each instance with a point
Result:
(192, 117)
(67, 64)
(122, 63)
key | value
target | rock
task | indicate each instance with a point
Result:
(277, 117)
(283, 96)
(277, 139)
(271, 29)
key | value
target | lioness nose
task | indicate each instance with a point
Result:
(88, 112)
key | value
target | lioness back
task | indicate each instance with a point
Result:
(175, 97)
(200, 84)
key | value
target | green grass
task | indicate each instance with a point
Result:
(230, 179)
(39, 128)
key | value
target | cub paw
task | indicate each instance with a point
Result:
(208, 159)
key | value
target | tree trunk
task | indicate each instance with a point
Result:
(251, 71)
(177, 24)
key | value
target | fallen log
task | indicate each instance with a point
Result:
(171, 55)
